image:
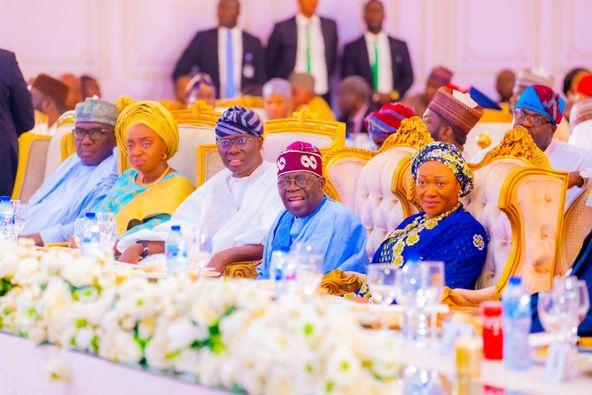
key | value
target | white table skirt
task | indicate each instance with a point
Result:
(23, 364)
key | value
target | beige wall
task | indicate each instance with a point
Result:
(132, 45)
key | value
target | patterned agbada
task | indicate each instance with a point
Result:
(453, 237)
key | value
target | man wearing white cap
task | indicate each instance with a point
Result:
(82, 181)
(277, 98)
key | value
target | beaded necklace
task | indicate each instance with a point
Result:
(408, 236)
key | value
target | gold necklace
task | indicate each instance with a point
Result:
(410, 235)
(149, 184)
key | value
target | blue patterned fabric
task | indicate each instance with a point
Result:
(458, 240)
(123, 192)
(448, 155)
(238, 120)
(333, 231)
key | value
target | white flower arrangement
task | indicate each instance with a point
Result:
(224, 333)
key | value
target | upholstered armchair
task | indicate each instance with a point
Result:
(519, 200)
(61, 145)
(577, 224)
(484, 135)
(342, 168)
(31, 164)
(381, 194)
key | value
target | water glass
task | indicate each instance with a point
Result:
(309, 273)
(382, 282)
(107, 231)
(20, 215)
(79, 225)
(199, 249)
(431, 290)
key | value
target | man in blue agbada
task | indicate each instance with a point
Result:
(311, 218)
(82, 181)
(443, 231)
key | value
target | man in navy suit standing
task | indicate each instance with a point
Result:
(382, 60)
(305, 43)
(231, 56)
(16, 117)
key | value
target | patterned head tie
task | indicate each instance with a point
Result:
(448, 155)
(238, 120)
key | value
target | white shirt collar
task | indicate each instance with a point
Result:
(301, 19)
(371, 36)
(224, 29)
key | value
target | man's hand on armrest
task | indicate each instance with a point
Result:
(133, 254)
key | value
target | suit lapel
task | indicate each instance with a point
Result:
(216, 69)
(326, 39)
(365, 65)
(292, 33)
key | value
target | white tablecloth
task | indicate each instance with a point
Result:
(533, 381)
(22, 366)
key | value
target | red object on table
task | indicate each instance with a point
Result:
(493, 335)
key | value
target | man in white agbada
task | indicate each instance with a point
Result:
(580, 122)
(237, 206)
(539, 109)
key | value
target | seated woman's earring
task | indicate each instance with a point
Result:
(164, 156)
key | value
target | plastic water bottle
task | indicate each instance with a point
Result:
(176, 251)
(516, 325)
(282, 272)
(6, 218)
(91, 236)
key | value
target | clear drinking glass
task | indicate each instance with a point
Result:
(583, 301)
(382, 279)
(20, 215)
(309, 273)
(79, 225)
(107, 231)
(430, 292)
(199, 249)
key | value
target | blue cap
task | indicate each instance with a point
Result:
(176, 228)
(515, 280)
(483, 100)
(91, 215)
(5, 199)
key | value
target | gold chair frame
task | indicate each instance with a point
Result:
(243, 101)
(25, 142)
(517, 144)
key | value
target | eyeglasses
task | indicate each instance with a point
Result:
(226, 144)
(94, 134)
(300, 181)
(535, 120)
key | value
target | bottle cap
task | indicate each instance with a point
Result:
(491, 308)
(4, 199)
(91, 215)
(515, 280)
(176, 228)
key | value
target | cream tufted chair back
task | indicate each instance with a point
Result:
(190, 137)
(519, 200)
(577, 225)
(342, 169)
(61, 144)
(381, 194)
(302, 126)
(483, 135)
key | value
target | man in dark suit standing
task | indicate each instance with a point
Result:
(16, 117)
(382, 60)
(305, 43)
(231, 56)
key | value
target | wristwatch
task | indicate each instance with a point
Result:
(585, 178)
(144, 244)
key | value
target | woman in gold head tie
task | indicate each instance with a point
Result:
(150, 191)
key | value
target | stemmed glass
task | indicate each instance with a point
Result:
(430, 291)
(79, 225)
(199, 249)
(20, 216)
(107, 231)
(561, 310)
(382, 282)
(309, 273)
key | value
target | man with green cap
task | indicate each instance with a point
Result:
(82, 181)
